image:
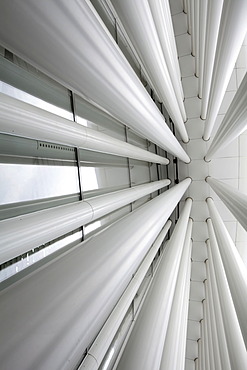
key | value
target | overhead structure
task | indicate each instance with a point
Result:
(235, 201)
(233, 28)
(233, 264)
(234, 339)
(151, 334)
(48, 42)
(234, 122)
(142, 31)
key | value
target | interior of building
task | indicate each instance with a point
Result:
(123, 192)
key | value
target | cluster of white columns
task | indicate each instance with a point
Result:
(57, 311)
(151, 33)
(150, 342)
(76, 50)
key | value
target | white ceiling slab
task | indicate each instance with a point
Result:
(193, 330)
(198, 169)
(180, 23)
(224, 168)
(197, 292)
(183, 44)
(198, 271)
(199, 232)
(190, 86)
(187, 65)
(195, 311)
(193, 107)
(195, 127)
(199, 251)
(199, 190)
(189, 364)
(191, 349)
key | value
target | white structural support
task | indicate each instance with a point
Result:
(22, 119)
(214, 331)
(97, 61)
(234, 266)
(174, 346)
(234, 338)
(145, 344)
(232, 31)
(23, 233)
(100, 346)
(203, 353)
(192, 17)
(235, 201)
(202, 36)
(213, 12)
(234, 122)
(206, 336)
(197, 5)
(63, 305)
(209, 329)
(221, 337)
(143, 35)
(200, 363)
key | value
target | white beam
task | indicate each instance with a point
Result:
(221, 337)
(55, 313)
(202, 39)
(22, 119)
(209, 329)
(234, 338)
(234, 266)
(234, 121)
(174, 346)
(235, 201)
(103, 341)
(213, 18)
(142, 31)
(232, 31)
(23, 233)
(69, 42)
(145, 345)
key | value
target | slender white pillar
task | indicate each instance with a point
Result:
(235, 201)
(22, 119)
(200, 365)
(214, 331)
(205, 335)
(232, 31)
(23, 233)
(202, 36)
(103, 341)
(185, 8)
(234, 266)
(174, 346)
(189, 16)
(209, 329)
(145, 344)
(55, 313)
(192, 17)
(143, 35)
(164, 26)
(197, 4)
(214, 10)
(197, 364)
(235, 342)
(222, 344)
(234, 122)
(75, 48)
(203, 354)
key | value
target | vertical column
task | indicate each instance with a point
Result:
(202, 36)
(205, 335)
(233, 264)
(145, 345)
(232, 31)
(235, 342)
(222, 344)
(234, 122)
(209, 329)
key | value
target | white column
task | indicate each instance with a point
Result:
(235, 342)
(200, 363)
(145, 344)
(197, 4)
(143, 35)
(205, 335)
(214, 10)
(76, 49)
(174, 346)
(203, 363)
(197, 364)
(234, 122)
(221, 337)
(209, 329)
(234, 266)
(214, 331)
(202, 36)
(55, 313)
(103, 341)
(22, 119)
(192, 17)
(235, 201)
(232, 31)
(23, 233)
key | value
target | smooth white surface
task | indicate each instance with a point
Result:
(75, 48)
(235, 341)
(23, 233)
(63, 305)
(234, 266)
(145, 345)
(22, 119)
